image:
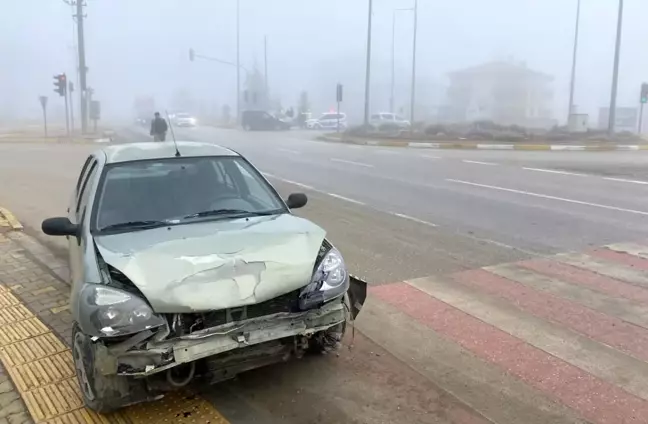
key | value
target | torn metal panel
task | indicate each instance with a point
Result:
(216, 265)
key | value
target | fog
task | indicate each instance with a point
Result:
(140, 47)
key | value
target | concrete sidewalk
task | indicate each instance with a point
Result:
(468, 145)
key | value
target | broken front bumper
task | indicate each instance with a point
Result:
(163, 355)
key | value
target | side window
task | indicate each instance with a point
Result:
(85, 187)
(82, 174)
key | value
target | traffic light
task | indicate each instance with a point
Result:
(60, 82)
(339, 92)
(644, 93)
(192, 55)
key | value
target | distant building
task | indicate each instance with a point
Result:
(503, 92)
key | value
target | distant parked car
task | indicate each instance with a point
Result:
(387, 120)
(185, 120)
(262, 120)
(329, 121)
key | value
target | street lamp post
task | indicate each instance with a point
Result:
(414, 66)
(393, 61)
(615, 75)
(238, 61)
(368, 67)
(573, 70)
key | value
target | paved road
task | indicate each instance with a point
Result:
(459, 209)
(444, 348)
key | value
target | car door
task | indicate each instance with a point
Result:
(78, 213)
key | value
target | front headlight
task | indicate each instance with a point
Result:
(109, 312)
(329, 281)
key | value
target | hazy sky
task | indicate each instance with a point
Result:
(137, 47)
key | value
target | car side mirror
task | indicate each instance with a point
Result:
(59, 226)
(297, 200)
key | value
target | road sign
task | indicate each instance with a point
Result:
(644, 93)
(95, 110)
(43, 102)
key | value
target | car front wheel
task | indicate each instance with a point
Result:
(101, 393)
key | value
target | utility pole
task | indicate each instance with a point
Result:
(82, 67)
(573, 70)
(414, 67)
(392, 100)
(265, 62)
(238, 61)
(615, 75)
(368, 70)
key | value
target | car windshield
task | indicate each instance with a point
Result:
(146, 193)
(183, 115)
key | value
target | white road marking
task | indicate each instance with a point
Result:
(623, 180)
(307, 187)
(431, 157)
(545, 196)
(292, 152)
(350, 162)
(411, 218)
(500, 244)
(478, 162)
(268, 175)
(337, 196)
(553, 171)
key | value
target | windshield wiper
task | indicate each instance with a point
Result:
(135, 224)
(235, 212)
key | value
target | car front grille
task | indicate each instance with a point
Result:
(288, 302)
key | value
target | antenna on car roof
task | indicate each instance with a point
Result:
(177, 154)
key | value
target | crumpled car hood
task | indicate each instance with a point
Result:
(216, 265)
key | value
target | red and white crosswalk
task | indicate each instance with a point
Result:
(559, 339)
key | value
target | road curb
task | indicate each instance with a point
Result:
(8, 221)
(485, 146)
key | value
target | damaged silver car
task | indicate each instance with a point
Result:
(185, 264)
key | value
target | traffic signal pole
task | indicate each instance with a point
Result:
(67, 110)
(641, 119)
(82, 67)
(643, 99)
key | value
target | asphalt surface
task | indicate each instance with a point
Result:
(395, 214)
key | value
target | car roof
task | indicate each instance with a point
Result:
(129, 152)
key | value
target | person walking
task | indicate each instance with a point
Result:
(159, 127)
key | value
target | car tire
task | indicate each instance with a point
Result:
(101, 393)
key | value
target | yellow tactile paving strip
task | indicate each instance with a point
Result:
(41, 367)
(8, 221)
